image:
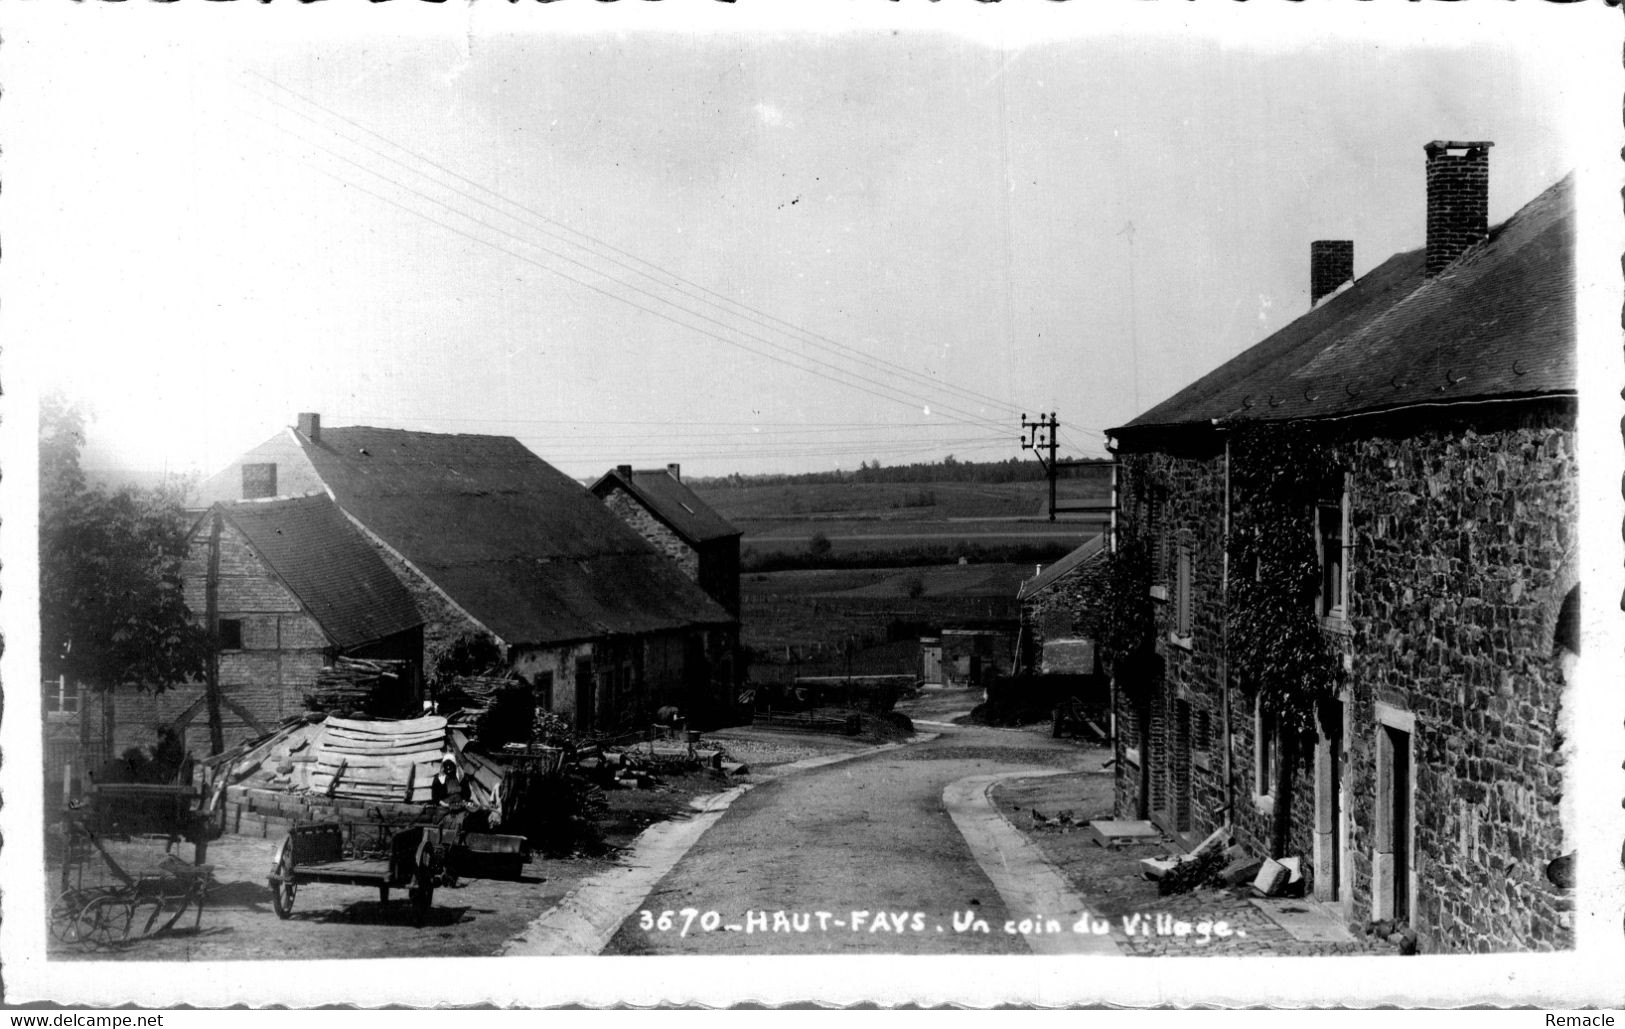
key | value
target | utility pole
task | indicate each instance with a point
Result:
(1042, 439)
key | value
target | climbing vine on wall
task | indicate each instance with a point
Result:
(1278, 474)
(1126, 613)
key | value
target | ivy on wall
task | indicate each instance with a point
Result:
(1127, 615)
(1278, 475)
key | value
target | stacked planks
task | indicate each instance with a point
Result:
(380, 760)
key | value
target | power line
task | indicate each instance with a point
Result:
(765, 319)
(963, 417)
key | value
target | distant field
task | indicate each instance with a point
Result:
(867, 621)
(948, 581)
(924, 501)
(880, 517)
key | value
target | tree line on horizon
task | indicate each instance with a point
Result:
(949, 469)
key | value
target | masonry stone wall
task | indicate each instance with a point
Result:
(1069, 608)
(1465, 549)
(1461, 552)
(660, 536)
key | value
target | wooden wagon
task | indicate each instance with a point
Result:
(382, 856)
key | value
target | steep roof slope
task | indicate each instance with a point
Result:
(329, 566)
(672, 502)
(1498, 324)
(519, 545)
(1048, 577)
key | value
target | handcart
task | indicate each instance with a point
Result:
(379, 855)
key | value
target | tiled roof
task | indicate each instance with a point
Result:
(330, 567)
(673, 502)
(1077, 558)
(1498, 324)
(520, 546)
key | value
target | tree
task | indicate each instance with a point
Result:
(112, 607)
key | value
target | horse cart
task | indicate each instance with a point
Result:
(379, 855)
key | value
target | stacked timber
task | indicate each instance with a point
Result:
(378, 760)
(350, 684)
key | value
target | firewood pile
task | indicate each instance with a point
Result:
(467, 699)
(374, 687)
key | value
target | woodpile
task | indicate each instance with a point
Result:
(356, 685)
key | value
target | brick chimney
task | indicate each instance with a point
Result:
(624, 471)
(1458, 177)
(675, 471)
(310, 426)
(1331, 263)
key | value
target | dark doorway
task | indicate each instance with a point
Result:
(1396, 803)
(585, 695)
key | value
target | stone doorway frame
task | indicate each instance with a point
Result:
(1383, 886)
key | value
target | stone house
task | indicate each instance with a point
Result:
(290, 585)
(679, 524)
(1444, 382)
(1059, 613)
(490, 539)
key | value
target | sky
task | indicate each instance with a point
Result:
(709, 236)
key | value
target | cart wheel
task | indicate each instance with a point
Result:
(65, 915)
(104, 921)
(383, 894)
(282, 885)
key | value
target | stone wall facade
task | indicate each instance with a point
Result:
(1067, 609)
(660, 535)
(1465, 550)
(1461, 550)
(713, 564)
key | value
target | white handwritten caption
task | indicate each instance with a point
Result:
(898, 923)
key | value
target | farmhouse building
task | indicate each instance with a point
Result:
(291, 585)
(490, 539)
(1442, 384)
(1060, 613)
(675, 521)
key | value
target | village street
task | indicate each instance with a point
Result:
(869, 843)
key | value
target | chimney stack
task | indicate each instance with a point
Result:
(675, 471)
(1458, 180)
(1331, 264)
(310, 426)
(624, 471)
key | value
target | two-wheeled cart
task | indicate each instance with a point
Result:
(379, 855)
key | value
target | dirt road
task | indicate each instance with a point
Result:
(860, 857)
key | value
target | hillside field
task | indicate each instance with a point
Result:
(813, 622)
(891, 517)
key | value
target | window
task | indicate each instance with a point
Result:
(1264, 756)
(1182, 595)
(59, 698)
(259, 481)
(231, 634)
(1331, 542)
(544, 691)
